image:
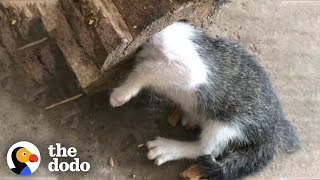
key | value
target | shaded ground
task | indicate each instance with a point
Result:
(283, 34)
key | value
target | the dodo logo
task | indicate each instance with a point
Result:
(23, 158)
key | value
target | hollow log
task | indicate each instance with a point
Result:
(96, 37)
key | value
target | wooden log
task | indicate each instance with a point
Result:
(96, 37)
(66, 35)
(25, 43)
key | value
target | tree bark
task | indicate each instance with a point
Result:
(96, 37)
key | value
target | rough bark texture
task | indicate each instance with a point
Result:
(96, 37)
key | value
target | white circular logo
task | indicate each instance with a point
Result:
(23, 158)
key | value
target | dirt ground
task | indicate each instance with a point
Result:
(284, 35)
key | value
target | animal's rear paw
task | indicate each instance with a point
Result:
(162, 150)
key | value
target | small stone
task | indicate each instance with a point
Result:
(111, 163)
(140, 145)
(125, 40)
(133, 176)
(13, 22)
(90, 22)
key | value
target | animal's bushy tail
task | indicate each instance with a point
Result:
(237, 164)
(252, 158)
(287, 138)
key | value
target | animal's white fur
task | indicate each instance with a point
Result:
(173, 68)
(215, 136)
(171, 65)
(177, 46)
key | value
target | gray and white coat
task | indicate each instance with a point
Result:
(221, 88)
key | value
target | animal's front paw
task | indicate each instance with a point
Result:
(119, 97)
(162, 150)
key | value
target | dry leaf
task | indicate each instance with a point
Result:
(192, 173)
(175, 116)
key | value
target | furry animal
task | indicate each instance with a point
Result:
(221, 88)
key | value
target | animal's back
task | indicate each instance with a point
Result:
(240, 92)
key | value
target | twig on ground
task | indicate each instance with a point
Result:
(63, 101)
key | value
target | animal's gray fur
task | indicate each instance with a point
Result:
(239, 92)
